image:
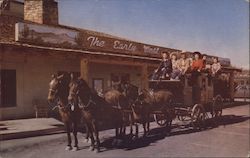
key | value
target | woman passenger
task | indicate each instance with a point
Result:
(196, 68)
(176, 67)
(183, 64)
(215, 68)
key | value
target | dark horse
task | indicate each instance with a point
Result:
(95, 110)
(71, 115)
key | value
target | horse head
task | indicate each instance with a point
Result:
(78, 90)
(58, 88)
(143, 99)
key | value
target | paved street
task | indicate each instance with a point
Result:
(229, 139)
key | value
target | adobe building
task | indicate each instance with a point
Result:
(33, 46)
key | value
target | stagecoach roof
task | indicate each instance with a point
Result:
(231, 69)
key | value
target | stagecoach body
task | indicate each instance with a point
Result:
(191, 100)
(183, 90)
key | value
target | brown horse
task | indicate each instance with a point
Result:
(95, 110)
(71, 115)
(122, 96)
(148, 102)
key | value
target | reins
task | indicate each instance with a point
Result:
(85, 106)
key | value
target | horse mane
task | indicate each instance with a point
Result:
(65, 79)
(84, 85)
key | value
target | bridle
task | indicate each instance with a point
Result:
(56, 100)
(81, 105)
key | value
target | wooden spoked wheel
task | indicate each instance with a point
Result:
(161, 119)
(217, 106)
(197, 116)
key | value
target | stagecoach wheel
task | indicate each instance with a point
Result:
(217, 106)
(160, 119)
(197, 116)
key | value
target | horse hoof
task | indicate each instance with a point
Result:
(91, 148)
(87, 140)
(75, 148)
(97, 150)
(135, 137)
(68, 148)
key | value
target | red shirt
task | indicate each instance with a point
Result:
(197, 64)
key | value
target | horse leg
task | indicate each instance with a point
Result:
(144, 129)
(95, 129)
(148, 122)
(116, 132)
(92, 145)
(75, 148)
(131, 124)
(87, 133)
(67, 126)
(123, 123)
(136, 130)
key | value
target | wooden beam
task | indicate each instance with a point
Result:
(231, 85)
(120, 62)
(84, 69)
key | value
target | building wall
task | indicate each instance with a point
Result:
(104, 71)
(33, 74)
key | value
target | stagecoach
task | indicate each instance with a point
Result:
(193, 102)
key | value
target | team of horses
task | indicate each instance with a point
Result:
(76, 100)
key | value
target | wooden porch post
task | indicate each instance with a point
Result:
(231, 85)
(144, 77)
(84, 69)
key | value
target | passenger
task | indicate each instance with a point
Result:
(183, 64)
(165, 68)
(197, 63)
(206, 67)
(190, 62)
(176, 73)
(196, 68)
(216, 66)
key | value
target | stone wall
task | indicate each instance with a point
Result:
(41, 11)
(33, 11)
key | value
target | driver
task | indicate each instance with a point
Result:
(165, 68)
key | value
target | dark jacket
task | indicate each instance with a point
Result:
(167, 65)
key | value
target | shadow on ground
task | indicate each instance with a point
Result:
(159, 133)
(128, 142)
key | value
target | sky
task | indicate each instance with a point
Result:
(216, 27)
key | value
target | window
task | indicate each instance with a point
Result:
(8, 88)
(123, 77)
(98, 86)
